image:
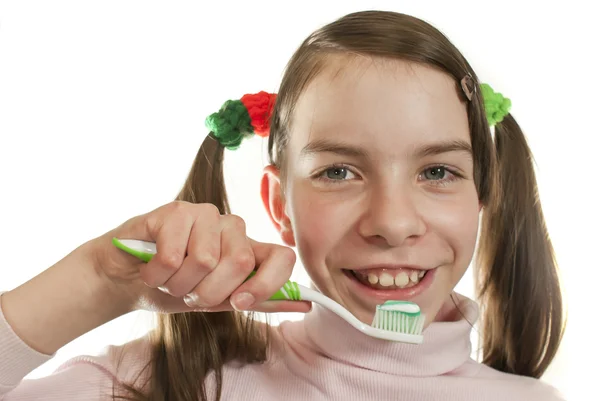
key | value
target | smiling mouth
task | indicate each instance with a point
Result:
(392, 279)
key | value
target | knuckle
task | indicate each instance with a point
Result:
(151, 222)
(171, 260)
(156, 220)
(213, 251)
(205, 260)
(180, 209)
(288, 255)
(178, 205)
(209, 210)
(244, 260)
(237, 222)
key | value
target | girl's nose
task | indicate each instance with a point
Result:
(392, 217)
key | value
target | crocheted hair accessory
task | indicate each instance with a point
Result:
(496, 106)
(239, 119)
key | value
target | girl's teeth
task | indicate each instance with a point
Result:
(386, 280)
(401, 279)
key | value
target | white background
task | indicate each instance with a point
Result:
(102, 107)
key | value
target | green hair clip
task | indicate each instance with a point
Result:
(496, 106)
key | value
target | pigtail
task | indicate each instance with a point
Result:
(192, 345)
(205, 182)
(519, 284)
(190, 349)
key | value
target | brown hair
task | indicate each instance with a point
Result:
(519, 290)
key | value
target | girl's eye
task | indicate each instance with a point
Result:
(336, 173)
(435, 173)
(439, 175)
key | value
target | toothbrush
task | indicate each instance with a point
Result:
(400, 321)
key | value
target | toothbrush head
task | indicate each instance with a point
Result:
(402, 317)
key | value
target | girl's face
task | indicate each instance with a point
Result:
(379, 193)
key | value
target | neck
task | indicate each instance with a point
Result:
(446, 344)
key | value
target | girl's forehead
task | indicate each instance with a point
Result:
(398, 103)
(350, 82)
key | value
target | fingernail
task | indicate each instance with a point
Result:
(242, 301)
(192, 300)
(163, 289)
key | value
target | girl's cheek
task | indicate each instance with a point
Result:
(320, 223)
(313, 223)
(460, 225)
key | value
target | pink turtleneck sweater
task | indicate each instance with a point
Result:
(318, 358)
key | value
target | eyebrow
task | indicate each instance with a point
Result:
(343, 149)
(329, 146)
(438, 148)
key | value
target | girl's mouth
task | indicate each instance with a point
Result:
(399, 284)
(383, 279)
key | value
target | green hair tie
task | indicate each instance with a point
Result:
(230, 124)
(496, 106)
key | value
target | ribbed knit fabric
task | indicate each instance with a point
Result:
(318, 358)
(16, 358)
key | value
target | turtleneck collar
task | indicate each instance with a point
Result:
(446, 344)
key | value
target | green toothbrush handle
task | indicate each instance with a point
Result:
(290, 290)
(141, 255)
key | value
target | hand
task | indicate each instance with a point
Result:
(202, 262)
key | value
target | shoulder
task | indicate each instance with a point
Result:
(520, 387)
(125, 363)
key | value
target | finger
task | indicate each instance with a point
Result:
(271, 274)
(176, 305)
(283, 306)
(170, 304)
(263, 250)
(235, 265)
(203, 254)
(171, 232)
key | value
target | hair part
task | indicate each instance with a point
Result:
(522, 320)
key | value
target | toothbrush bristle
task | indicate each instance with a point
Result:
(398, 322)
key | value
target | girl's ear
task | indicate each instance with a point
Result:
(272, 197)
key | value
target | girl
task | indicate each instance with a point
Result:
(382, 162)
